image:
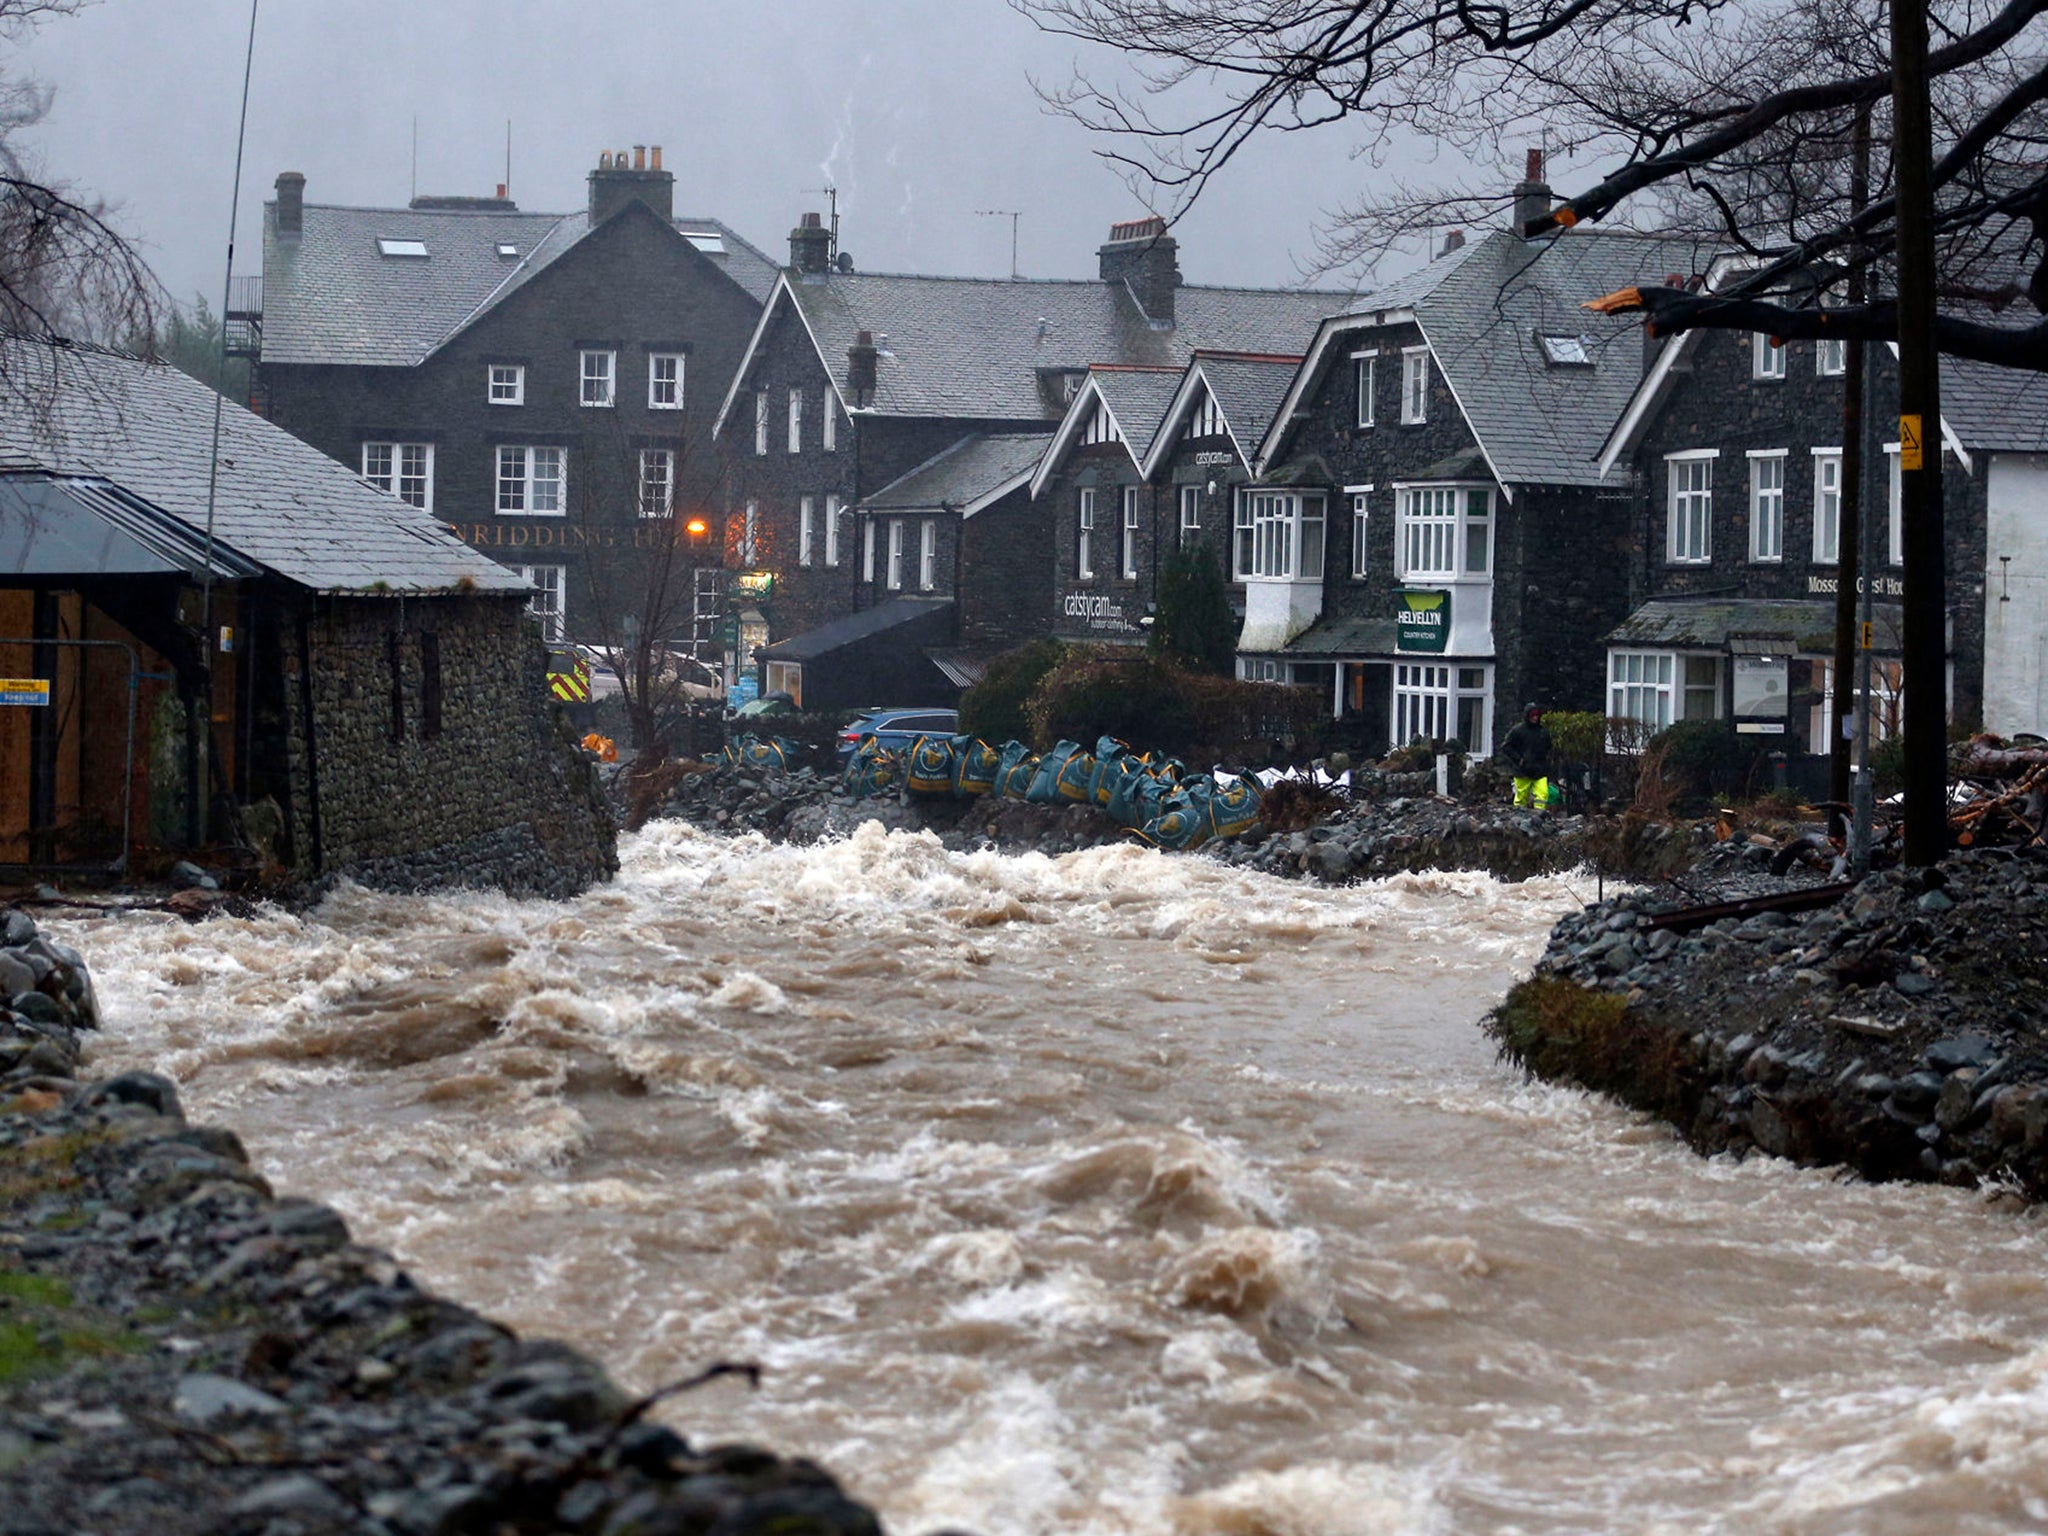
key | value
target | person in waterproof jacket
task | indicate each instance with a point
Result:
(1527, 753)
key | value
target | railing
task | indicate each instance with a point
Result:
(245, 296)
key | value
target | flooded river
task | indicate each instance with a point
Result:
(1114, 1193)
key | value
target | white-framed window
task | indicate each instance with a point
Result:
(664, 381)
(750, 535)
(1895, 506)
(1689, 538)
(533, 481)
(1699, 680)
(406, 470)
(1767, 505)
(1359, 497)
(806, 516)
(1414, 385)
(505, 384)
(1765, 360)
(927, 554)
(1101, 427)
(1190, 514)
(1281, 536)
(1827, 506)
(867, 550)
(1364, 368)
(895, 574)
(828, 422)
(657, 482)
(1831, 357)
(547, 603)
(831, 515)
(796, 421)
(1127, 552)
(1443, 532)
(1084, 535)
(600, 378)
(1422, 702)
(760, 423)
(1208, 420)
(1639, 686)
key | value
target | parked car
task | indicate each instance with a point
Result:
(768, 705)
(896, 728)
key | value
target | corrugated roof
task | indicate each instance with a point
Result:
(147, 428)
(966, 473)
(977, 347)
(331, 296)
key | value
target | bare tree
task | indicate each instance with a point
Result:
(65, 269)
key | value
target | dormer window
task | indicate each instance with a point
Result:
(416, 249)
(509, 252)
(1566, 351)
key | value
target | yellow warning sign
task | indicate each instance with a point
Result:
(29, 691)
(1909, 443)
(1868, 627)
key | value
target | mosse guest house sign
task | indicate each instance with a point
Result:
(1422, 621)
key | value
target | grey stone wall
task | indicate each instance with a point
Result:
(1104, 606)
(500, 796)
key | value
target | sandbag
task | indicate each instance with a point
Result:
(1045, 783)
(873, 770)
(1110, 757)
(1076, 782)
(1182, 822)
(750, 751)
(1016, 767)
(974, 767)
(928, 766)
(1233, 807)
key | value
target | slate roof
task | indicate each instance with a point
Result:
(856, 627)
(2003, 410)
(966, 473)
(332, 297)
(1248, 390)
(1707, 623)
(1346, 637)
(1137, 398)
(1483, 310)
(977, 347)
(148, 429)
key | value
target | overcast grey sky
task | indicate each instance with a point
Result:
(919, 111)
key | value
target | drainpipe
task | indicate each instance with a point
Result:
(312, 740)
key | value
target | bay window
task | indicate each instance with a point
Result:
(1280, 536)
(1443, 532)
(1690, 537)
(1443, 702)
(1639, 686)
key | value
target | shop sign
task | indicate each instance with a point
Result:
(1883, 586)
(752, 584)
(1762, 687)
(1097, 611)
(1422, 621)
(24, 690)
(1212, 457)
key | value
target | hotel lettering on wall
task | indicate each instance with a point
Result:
(648, 535)
(1422, 621)
(1886, 586)
(1097, 612)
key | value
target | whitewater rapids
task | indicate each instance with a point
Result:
(1113, 1193)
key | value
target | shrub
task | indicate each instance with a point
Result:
(1195, 627)
(1576, 736)
(995, 708)
(1707, 758)
(1157, 706)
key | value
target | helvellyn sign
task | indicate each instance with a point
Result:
(1422, 621)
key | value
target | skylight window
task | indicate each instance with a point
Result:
(1567, 351)
(390, 247)
(507, 251)
(710, 242)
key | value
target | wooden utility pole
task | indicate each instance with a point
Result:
(1851, 567)
(1925, 647)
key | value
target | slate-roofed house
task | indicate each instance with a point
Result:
(1733, 448)
(318, 668)
(854, 379)
(542, 383)
(1428, 537)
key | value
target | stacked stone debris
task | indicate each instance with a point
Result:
(1901, 1029)
(183, 1354)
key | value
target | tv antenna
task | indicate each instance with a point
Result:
(831, 194)
(1013, 215)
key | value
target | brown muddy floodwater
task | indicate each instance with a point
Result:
(1113, 1193)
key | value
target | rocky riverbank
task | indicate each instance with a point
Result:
(1391, 824)
(1901, 1029)
(182, 1352)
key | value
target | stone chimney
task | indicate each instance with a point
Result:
(1142, 254)
(1533, 198)
(291, 204)
(810, 246)
(1454, 241)
(861, 360)
(619, 180)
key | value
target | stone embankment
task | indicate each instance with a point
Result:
(1900, 1030)
(1391, 825)
(182, 1353)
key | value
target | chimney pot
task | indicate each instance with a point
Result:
(1534, 166)
(639, 157)
(654, 158)
(502, 189)
(291, 204)
(1454, 241)
(617, 181)
(810, 246)
(604, 160)
(1533, 197)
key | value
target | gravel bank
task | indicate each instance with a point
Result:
(181, 1352)
(1901, 1030)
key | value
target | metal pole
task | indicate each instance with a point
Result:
(1925, 648)
(1853, 569)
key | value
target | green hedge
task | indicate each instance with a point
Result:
(1162, 707)
(995, 708)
